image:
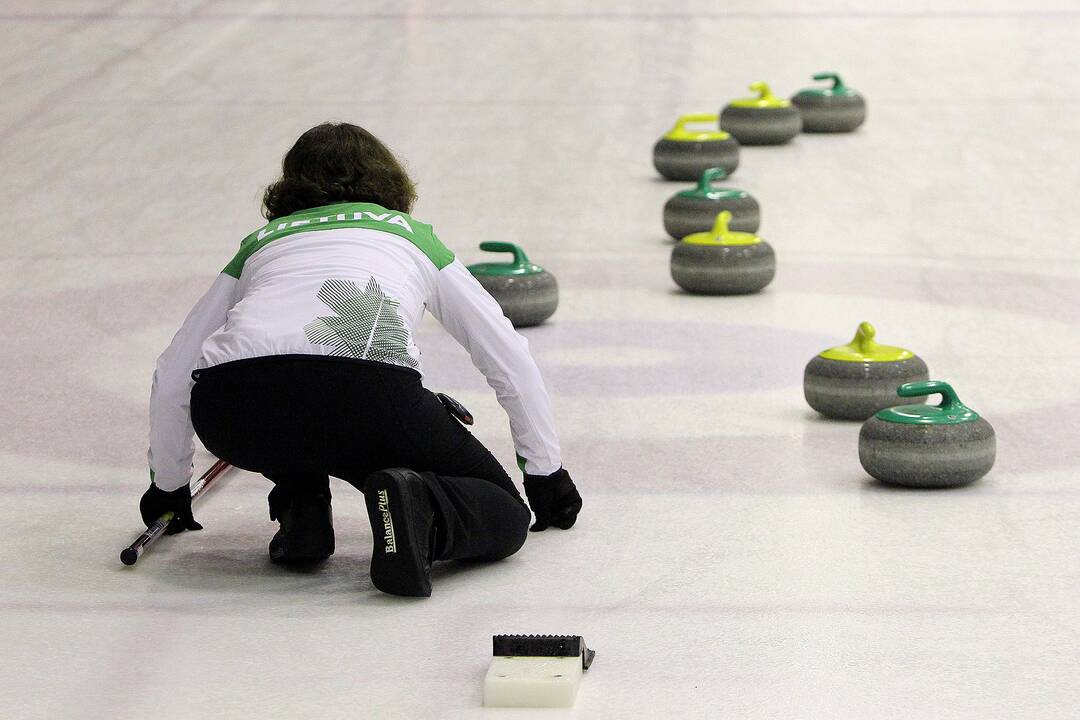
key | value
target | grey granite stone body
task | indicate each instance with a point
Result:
(686, 160)
(525, 299)
(927, 456)
(830, 113)
(856, 390)
(761, 126)
(685, 215)
(722, 269)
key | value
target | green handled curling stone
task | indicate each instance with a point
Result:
(722, 262)
(694, 211)
(854, 381)
(830, 110)
(684, 154)
(527, 293)
(927, 446)
(762, 120)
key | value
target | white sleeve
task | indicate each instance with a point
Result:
(171, 434)
(476, 321)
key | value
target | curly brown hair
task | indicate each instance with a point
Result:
(334, 163)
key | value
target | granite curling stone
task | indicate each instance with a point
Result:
(527, 293)
(722, 262)
(684, 154)
(764, 120)
(694, 211)
(854, 381)
(838, 109)
(927, 446)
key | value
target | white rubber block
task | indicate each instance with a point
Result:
(532, 681)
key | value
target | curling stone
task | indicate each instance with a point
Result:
(722, 262)
(527, 293)
(764, 120)
(684, 154)
(927, 446)
(693, 211)
(830, 110)
(854, 381)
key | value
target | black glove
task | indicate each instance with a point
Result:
(156, 502)
(553, 499)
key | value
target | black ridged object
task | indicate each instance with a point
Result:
(542, 646)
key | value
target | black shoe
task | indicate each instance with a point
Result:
(307, 528)
(402, 520)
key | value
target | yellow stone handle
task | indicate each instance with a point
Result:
(721, 234)
(763, 91)
(720, 225)
(680, 125)
(864, 338)
(864, 347)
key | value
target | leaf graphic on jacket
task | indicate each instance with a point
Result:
(367, 325)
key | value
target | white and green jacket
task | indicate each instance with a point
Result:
(347, 280)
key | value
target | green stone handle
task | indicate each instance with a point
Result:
(709, 177)
(520, 259)
(838, 84)
(950, 403)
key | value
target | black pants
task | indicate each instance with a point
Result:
(298, 419)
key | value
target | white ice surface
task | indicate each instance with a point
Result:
(732, 559)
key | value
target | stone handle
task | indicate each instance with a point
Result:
(763, 90)
(681, 123)
(950, 402)
(520, 259)
(838, 84)
(709, 177)
(720, 226)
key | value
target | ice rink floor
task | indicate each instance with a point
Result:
(732, 559)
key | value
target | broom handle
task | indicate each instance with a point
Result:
(131, 554)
